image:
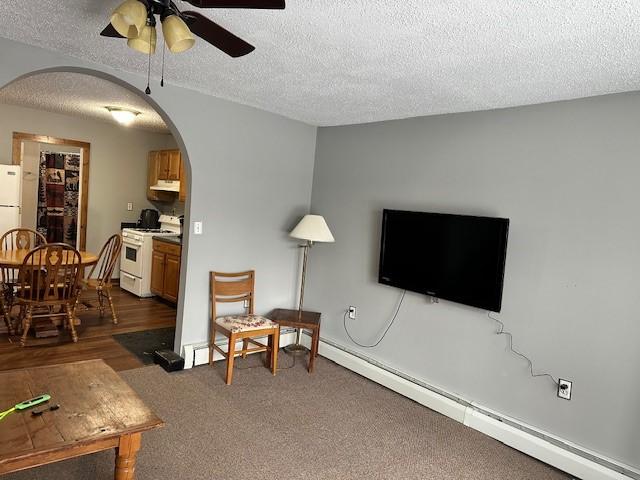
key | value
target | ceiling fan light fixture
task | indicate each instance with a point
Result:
(146, 41)
(122, 115)
(129, 18)
(177, 35)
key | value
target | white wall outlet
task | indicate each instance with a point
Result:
(197, 228)
(352, 313)
(130, 206)
(564, 389)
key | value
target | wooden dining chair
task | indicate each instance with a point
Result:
(49, 277)
(239, 287)
(99, 278)
(15, 239)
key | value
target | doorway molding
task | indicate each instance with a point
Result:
(85, 148)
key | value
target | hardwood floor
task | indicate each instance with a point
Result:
(95, 335)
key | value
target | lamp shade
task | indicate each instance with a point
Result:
(177, 35)
(129, 18)
(313, 228)
(146, 41)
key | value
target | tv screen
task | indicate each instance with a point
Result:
(454, 257)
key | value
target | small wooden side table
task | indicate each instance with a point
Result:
(308, 321)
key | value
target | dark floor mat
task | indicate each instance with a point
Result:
(143, 344)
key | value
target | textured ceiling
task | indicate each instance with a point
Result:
(330, 62)
(80, 95)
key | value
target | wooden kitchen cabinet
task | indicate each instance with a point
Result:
(165, 270)
(166, 165)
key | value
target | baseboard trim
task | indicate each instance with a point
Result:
(568, 457)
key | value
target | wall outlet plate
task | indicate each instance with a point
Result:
(197, 228)
(129, 206)
(352, 313)
(564, 389)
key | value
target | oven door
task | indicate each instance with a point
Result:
(131, 257)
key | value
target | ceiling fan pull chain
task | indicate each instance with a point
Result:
(162, 78)
(148, 89)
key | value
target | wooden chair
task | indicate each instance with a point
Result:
(16, 239)
(49, 277)
(103, 270)
(239, 287)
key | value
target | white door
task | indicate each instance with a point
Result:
(9, 218)
(10, 182)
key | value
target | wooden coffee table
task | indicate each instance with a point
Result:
(309, 321)
(98, 411)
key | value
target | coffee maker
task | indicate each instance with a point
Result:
(149, 219)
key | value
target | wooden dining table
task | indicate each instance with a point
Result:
(15, 258)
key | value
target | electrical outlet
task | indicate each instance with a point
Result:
(129, 206)
(197, 228)
(352, 313)
(564, 389)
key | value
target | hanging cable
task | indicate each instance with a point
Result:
(162, 77)
(344, 323)
(502, 331)
(148, 89)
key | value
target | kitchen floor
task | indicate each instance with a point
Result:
(95, 335)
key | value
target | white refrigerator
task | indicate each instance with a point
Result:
(10, 185)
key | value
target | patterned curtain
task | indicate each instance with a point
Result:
(58, 193)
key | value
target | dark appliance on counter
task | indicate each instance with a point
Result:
(149, 219)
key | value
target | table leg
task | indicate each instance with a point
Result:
(314, 349)
(126, 456)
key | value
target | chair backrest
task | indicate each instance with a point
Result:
(18, 239)
(232, 287)
(21, 239)
(50, 274)
(107, 260)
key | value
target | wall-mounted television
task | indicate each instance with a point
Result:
(454, 257)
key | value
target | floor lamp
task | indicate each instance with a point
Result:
(312, 228)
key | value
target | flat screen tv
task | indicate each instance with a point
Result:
(454, 257)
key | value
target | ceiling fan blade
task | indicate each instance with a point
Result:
(216, 35)
(270, 4)
(109, 31)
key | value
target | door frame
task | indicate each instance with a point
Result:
(85, 147)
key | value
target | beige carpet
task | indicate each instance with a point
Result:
(333, 425)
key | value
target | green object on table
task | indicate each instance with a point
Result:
(26, 404)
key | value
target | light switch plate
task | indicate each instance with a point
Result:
(130, 206)
(197, 228)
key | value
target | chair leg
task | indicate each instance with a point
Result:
(5, 314)
(114, 317)
(26, 324)
(245, 346)
(274, 351)
(100, 303)
(70, 321)
(268, 356)
(230, 358)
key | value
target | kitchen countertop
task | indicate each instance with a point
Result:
(175, 240)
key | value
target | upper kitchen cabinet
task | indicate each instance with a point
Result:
(166, 177)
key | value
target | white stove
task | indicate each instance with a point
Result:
(137, 252)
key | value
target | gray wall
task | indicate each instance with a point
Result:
(251, 175)
(566, 174)
(117, 169)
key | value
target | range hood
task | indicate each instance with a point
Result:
(167, 186)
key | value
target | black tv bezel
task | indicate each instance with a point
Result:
(430, 292)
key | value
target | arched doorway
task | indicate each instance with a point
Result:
(177, 145)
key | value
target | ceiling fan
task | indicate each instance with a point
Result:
(135, 20)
